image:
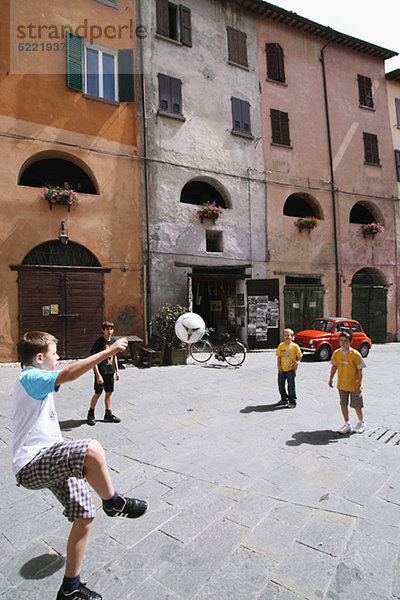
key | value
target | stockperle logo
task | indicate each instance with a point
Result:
(38, 46)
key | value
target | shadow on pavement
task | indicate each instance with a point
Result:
(314, 438)
(263, 408)
(71, 424)
(42, 566)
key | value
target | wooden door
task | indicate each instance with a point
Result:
(67, 303)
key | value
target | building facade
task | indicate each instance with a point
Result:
(203, 132)
(69, 120)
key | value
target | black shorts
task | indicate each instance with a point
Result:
(107, 386)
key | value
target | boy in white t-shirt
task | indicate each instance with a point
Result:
(42, 459)
(349, 365)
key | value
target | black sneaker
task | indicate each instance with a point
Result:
(82, 593)
(90, 420)
(110, 418)
(282, 403)
(130, 508)
(292, 405)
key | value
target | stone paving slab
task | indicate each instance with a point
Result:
(247, 501)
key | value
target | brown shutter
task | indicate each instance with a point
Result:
(162, 17)
(275, 62)
(245, 106)
(280, 127)
(186, 26)
(176, 95)
(371, 148)
(237, 46)
(365, 91)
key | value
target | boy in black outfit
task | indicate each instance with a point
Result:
(104, 375)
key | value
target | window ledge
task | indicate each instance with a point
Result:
(108, 3)
(235, 64)
(369, 164)
(163, 113)
(168, 39)
(248, 136)
(98, 99)
(282, 145)
(276, 81)
(371, 108)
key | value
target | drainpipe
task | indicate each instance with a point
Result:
(396, 267)
(147, 266)
(333, 188)
(250, 220)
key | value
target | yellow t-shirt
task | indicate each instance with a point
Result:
(347, 365)
(288, 353)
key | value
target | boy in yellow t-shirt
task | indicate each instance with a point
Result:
(349, 365)
(289, 355)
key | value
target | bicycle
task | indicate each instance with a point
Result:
(232, 351)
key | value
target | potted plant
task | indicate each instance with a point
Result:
(165, 320)
(307, 223)
(372, 229)
(59, 195)
(209, 210)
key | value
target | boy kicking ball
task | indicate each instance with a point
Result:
(349, 365)
(42, 459)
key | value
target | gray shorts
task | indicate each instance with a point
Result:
(356, 400)
(60, 469)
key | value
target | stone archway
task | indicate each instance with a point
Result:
(369, 302)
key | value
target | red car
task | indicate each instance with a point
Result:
(323, 337)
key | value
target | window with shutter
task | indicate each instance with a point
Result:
(397, 158)
(170, 95)
(241, 116)
(365, 91)
(237, 46)
(397, 104)
(275, 62)
(371, 153)
(100, 72)
(174, 22)
(280, 127)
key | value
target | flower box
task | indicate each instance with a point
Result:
(372, 229)
(60, 195)
(208, 211)
(307, 223)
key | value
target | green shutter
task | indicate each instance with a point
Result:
(126, 75)
(74, 45)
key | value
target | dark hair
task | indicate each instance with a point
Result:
(107, 324)
(31, 344)
(347, 335)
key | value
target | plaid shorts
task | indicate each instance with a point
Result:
(60, 469)
(356, 400)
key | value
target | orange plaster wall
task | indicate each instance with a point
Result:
(109, 224)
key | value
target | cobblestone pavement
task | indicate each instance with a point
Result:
(248, 501)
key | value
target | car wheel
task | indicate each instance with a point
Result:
(324, 353)
(364, 350)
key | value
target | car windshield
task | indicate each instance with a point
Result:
(321, 325)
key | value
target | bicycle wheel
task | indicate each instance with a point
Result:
(234, 353)
(201, 351)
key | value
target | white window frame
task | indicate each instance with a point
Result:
(100, 51)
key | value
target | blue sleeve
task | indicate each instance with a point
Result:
(38, 383)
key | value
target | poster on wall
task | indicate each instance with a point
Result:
(258, 309)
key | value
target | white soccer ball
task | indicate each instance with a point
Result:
(190, 328)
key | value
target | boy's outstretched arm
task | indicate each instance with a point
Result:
(81, 367)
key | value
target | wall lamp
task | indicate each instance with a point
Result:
(63, 234)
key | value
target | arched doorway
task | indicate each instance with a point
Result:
(61, 290)
(369, 302)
